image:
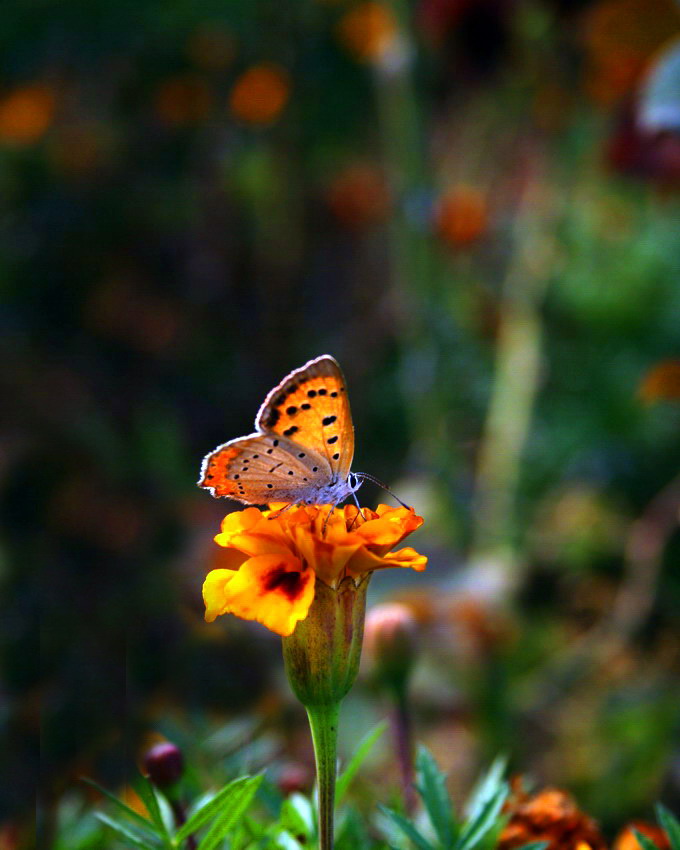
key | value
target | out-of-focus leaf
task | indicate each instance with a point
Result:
(670, 825)
(645, 841)
(130, 834)
(362, 751)
(232, 809)
(476, 828)
(131, 813)
(487, 787)
(432, 788)
(408, 829)
(230, 796)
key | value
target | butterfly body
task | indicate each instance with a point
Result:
(301, 450)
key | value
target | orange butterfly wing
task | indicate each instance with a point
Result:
(311, 408)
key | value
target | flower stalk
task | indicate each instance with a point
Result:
(323, 723)
(322, 661)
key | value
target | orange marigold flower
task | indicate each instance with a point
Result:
(627, 840)
(662, 382)
(26, 114)
(550, 815)
(368, 30)
(284, 554)
(260, 94)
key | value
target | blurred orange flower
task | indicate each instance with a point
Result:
(368, 30)
(183, 99)
(662, 382)
(26, 114)
(260, 94)
(284, 554)
(358, 196)
(627, 840)
(550, 815)
(461, 216)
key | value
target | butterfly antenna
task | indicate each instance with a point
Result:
(367, 477)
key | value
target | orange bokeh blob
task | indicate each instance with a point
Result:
(26, 114)
(367, 31)
(183, 100)
(461, 216)
(661, 382)
(358, 197)
(260, 94)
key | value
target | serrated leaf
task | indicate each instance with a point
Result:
(432, 788)
(210, 809)
(131, 813)
(129, 833)
(645, 841)
(670, 825)
(234, 808)
(486, 788)
(407, 828)
(361, 753)
(476, 828)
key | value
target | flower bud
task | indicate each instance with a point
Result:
(164, 764)
(391, 640)
(322, 655)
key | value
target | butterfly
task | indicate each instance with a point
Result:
(302, 447)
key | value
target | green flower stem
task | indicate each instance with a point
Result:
(323, 722)
(322, 659)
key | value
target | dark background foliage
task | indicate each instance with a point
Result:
(457, 200)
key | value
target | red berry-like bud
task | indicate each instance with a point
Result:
(164, 764)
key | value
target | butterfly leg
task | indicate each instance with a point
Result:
(354, 496)
(282, 511)
(325, 523)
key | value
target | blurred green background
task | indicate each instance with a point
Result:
(473, 205)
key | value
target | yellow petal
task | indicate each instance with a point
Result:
(215, 593)
(272, 589)
(365, 561)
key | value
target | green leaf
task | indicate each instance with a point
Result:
(534, 845)
(645, 841)
(297, 815)
(286, 841)
(486, 788)
(129, 833)
(131, 813)
(234, 807)
(365, 746)
(432, 788)
(670, 825)
(407, 828)
(148, 796)
(201, 816)
(476, 828)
